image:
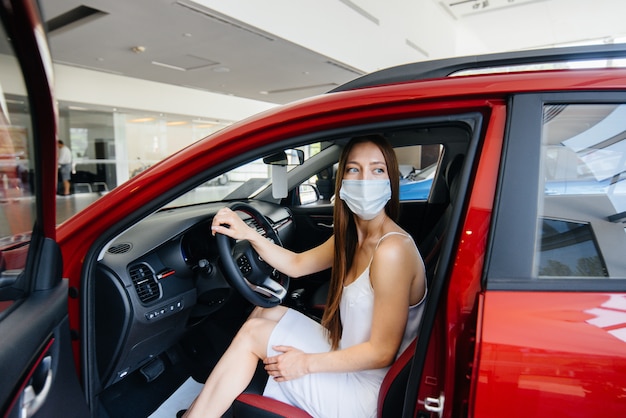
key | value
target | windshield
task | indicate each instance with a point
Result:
(245, 181)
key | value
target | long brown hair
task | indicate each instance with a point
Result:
(345, 231)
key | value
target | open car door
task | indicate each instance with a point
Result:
(37, 368)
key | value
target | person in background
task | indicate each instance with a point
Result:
(332, 369)
(65, 166)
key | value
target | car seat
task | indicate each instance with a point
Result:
(326, 183)
(431, 245)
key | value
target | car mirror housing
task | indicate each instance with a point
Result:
(287, 157)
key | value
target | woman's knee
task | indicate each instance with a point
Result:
(254, 335)
(272, 314)
(252, 326)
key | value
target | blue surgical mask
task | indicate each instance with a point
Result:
(365, 198)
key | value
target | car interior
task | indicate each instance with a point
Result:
(166, 297)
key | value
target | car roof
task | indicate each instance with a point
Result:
(446, 67)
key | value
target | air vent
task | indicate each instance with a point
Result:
(120, 248)
(145, 282)
(252, 222)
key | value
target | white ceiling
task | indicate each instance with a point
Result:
(182, 43)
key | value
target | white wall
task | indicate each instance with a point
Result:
(92, 87)
(86, 86)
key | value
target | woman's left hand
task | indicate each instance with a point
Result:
(291, 364)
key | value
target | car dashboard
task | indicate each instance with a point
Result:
(157, 279)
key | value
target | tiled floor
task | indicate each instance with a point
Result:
(16, 214)
(69, 205)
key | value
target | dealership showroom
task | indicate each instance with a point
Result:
(138, 80)
(312, 208)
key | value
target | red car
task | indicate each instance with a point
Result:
(110, 312)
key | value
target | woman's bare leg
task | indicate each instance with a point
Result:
(273, 314)
(234, 371)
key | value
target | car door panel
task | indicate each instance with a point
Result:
(522, 329)
(41, 362)
(314, 225)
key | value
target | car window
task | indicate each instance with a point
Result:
(17, 196)
(582, 209)
(418, 166)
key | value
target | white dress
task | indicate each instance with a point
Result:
(340, 395)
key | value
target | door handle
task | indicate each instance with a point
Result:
(35, 393)
(325, 225)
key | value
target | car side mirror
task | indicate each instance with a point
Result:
(308, 194)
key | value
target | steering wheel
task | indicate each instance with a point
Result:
(248, 273)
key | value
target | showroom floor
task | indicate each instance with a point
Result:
(15, 218)
(69, 205)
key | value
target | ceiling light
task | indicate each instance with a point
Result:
(170, 66)
(141, 120)
(138, 49)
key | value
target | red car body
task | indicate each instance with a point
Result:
(521, 340)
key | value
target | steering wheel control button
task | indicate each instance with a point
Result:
(244, 265)
(165, 310)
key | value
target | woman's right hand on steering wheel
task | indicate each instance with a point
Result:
(227, 222)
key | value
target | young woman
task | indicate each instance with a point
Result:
(373, 310)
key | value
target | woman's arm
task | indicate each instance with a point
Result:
(396, 265)
(288, 262)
